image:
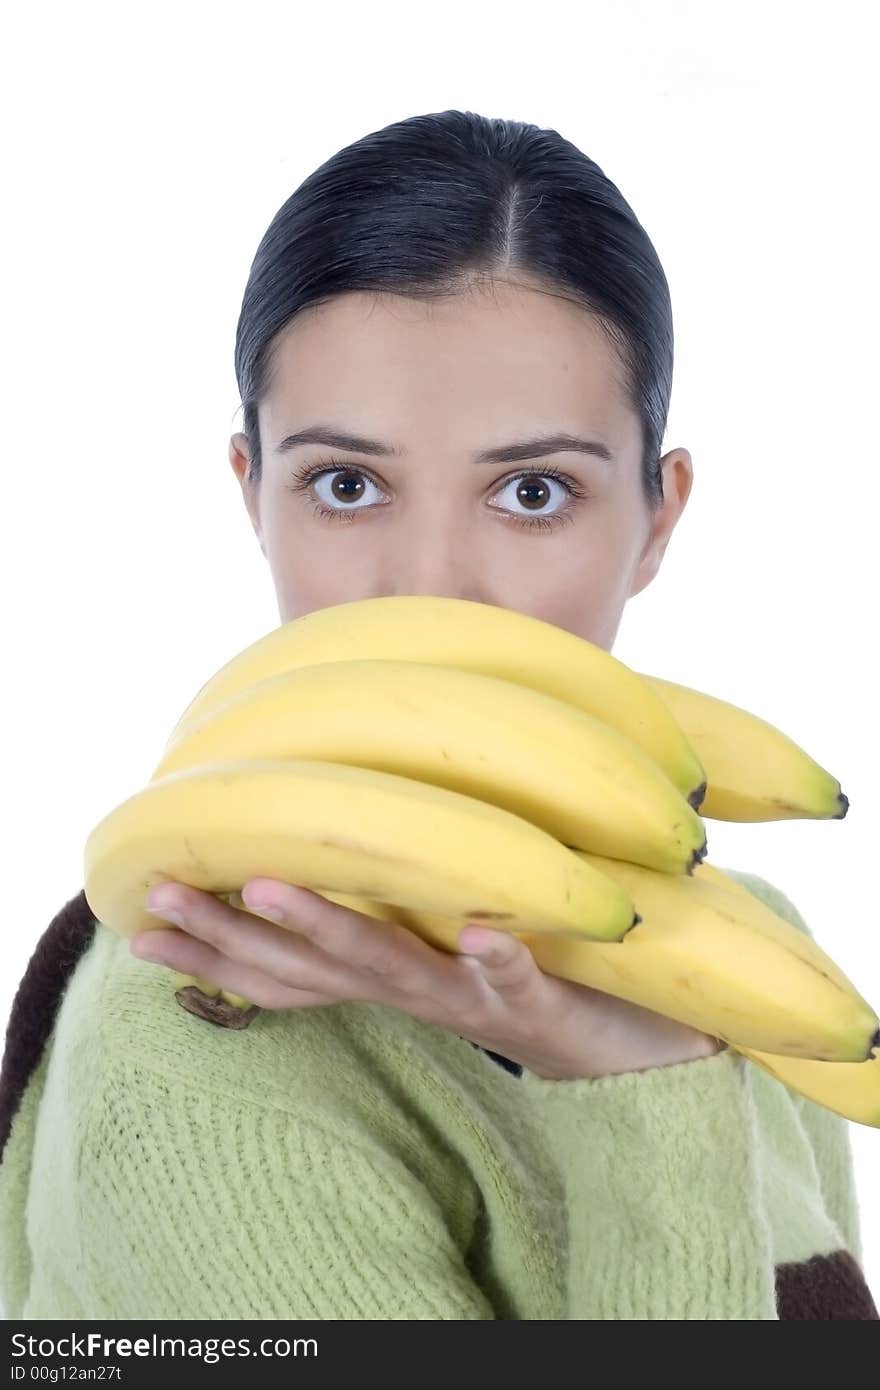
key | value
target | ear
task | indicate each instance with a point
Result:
(678, 479)
(239, 457)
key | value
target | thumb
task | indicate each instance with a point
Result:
(503, 960)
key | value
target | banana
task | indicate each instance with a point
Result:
(470, 636)
(327, 825)
(755, 772)
(566, 771)
(727, 965)
(850, 1089)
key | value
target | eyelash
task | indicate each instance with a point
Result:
(302, 478)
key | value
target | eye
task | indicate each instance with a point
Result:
(349, 494)
(343, 486)
(532, 491)
(345, 491)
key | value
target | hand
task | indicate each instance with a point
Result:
(494, 995)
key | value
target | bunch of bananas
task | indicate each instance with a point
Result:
(436, 761)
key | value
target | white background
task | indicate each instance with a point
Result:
(145, 152)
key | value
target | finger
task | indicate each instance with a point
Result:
(179, 951)
(386, 952)
(505, 963)
(248, 941)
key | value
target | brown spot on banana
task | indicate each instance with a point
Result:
(496, 916)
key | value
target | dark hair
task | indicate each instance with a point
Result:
(427, 205)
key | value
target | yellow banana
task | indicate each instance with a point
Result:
(754, 771)
(539, 757)
(471, 636)
(327, 825)
(850, 1089)
(728, 966)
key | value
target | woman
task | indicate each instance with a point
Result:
(455, 361)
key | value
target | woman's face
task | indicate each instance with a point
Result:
(435, 384)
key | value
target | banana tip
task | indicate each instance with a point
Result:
(698, 796)
(214, 1008)
(842, 806)
(698, 856)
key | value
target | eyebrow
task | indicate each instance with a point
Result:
(506, 453)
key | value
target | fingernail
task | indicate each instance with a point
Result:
(478, 941)
(266, 911)
(144, 951)
(167, 914)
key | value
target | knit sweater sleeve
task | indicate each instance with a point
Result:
(663, 1191)
(828, 1133)
(299, 1220)
(688, 1186)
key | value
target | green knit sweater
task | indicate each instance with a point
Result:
(351, 1162)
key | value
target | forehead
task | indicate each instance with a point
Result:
(497, 355)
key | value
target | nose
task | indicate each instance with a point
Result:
(433, 560)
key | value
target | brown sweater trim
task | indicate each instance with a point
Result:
(37, 1001)
(827, 1286)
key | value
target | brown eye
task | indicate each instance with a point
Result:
(533, 491)
(344, 490)
(342, 485)
(346, 486)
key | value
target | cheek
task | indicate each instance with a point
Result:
(307, 575)
(582, 592)
(583, 586)
(589, 608)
